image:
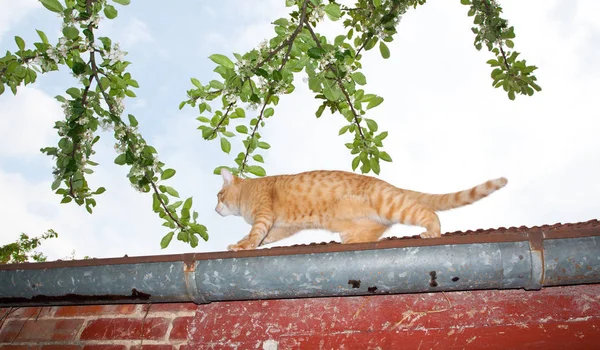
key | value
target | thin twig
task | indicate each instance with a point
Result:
(222, 120)
(289, 41)
(344, 91)
(164, 205)
(258, 121)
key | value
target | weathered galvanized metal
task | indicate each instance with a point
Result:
(528, 260)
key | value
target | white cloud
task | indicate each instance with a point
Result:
(27, 121)
(136, 32)
(13, 12)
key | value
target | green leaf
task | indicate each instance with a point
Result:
(374, 162)
(375, 101)
(344, 129)
(258, 158)
(56, 184)
(121, 159)
(222, 60)
(167, 174)
(510, 44)
(52, 5)
(132, 121)
(320, 111)
(193, 241)
(240, 112)
(314, 52)
(132, 83)
(42, 36)
(359, 78)
(281, 22)
(100, 190)
(385, 51)
(332, 11)
(215, 84)
(371, 124)
(164, 242)
(171, 191)
(188, 203)
(263, 145)
(355, 162)
(256, 170)
(74, 92)
(70, 32)
(269, 112)
(20, 42)
(122, 2)
(110, 11)
(196, 83)
(155, 202)
(242, 129)
(384, 156)
(225, 145)
(332, 93)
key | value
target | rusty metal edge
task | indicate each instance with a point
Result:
(492, 236)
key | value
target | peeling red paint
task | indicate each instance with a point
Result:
(553, 318)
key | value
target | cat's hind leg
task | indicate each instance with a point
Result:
(358, 230)
(402, 209)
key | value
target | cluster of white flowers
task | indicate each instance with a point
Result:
(327, 60)
(82, 120)
(36, 61)
(263, 45)
(231, 98)
(94, 20)
(106, 125)
(243, 68)
(67, 109)
(86, 46)
(58, 52)
(317, 14)
(115, 54)
(118, 106)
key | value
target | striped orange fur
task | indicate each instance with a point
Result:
(359, 207)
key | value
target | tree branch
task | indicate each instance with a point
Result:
(164, 205)
(258, 121)
(341, 86)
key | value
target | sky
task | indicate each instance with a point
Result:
(449, 129)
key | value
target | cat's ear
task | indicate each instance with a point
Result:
(227, 176)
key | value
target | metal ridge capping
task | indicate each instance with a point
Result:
(529, 258)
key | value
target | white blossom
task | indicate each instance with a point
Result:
(317, 15)
(115, 54)
(117, 107)
(263, 45)
(82, 120)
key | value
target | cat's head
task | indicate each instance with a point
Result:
(229, 196)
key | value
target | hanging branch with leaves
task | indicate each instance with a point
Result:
(261, 75)
(99, 66)
(244, 97)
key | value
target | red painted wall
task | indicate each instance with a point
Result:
(553, 318)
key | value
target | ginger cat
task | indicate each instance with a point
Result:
(360, 208)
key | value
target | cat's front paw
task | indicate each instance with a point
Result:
(240, 246)
(430, 234)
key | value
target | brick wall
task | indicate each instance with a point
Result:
(553, 318)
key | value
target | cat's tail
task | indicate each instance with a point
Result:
(458, 199)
